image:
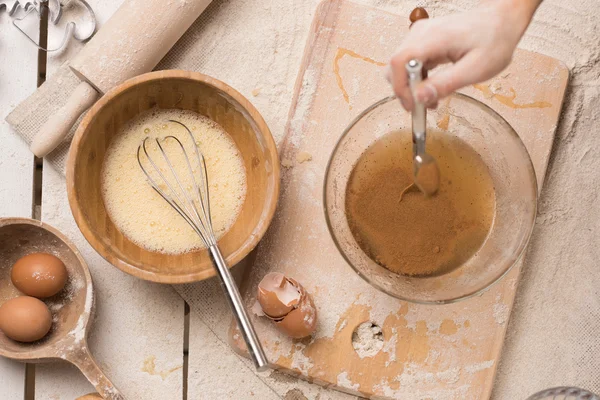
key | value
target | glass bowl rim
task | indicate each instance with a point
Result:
(518, 253)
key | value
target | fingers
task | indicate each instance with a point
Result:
(427, 49)
(389, 76)
(399, 79)
(466, 71)
(480, 44)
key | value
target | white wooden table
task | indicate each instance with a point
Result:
(138, 333)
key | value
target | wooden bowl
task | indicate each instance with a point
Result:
(168, 90)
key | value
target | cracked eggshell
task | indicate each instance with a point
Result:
(301, 321)
(278, 295)
(287, 304)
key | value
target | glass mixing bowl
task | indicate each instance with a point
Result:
(515, 187)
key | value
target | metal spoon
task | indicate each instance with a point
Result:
(425, 168)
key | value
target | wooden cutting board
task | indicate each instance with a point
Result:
(429, 352)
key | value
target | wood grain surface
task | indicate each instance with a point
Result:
(441, 352)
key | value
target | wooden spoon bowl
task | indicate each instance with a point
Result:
(71, 309)
(172, 90)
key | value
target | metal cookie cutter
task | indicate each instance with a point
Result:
(55, 11)
(13, 6)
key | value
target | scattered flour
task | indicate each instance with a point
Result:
(344, 381)
(300, 361)
(78, 332)
(304, 101)
(367, 339)
(389, 347)
(449, 376)
(501, 313)
(479, 367)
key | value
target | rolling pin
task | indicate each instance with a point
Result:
(132, 42)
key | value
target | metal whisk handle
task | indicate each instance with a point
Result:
(237, 306)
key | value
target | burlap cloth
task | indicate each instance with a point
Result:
(553, 339)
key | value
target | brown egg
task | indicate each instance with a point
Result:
(277, 295)
(287, 304)
(25, 319)
(39, 275)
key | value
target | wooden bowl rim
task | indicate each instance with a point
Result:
(104, 250)
(50, 351)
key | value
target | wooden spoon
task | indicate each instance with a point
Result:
(71, 308)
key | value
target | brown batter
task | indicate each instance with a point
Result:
(420, 236)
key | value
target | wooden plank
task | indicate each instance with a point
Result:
(18, 72)
(137, 336)
(18, 77)
(447, 351)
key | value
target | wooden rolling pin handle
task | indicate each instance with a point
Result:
(84, 361)
(54, 131)
(417, 14)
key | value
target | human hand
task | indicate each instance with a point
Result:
(479, 43)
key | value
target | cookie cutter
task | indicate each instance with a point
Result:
(14, 7)
(55, 11)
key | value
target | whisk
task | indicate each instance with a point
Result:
(193, 204)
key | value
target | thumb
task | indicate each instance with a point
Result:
(465, 72)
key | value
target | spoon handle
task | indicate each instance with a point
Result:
(83, 359)
(414, 68)
(416, 73)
